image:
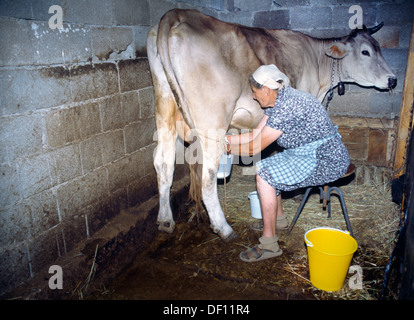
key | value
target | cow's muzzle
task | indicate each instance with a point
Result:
(392, 82)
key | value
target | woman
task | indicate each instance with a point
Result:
(314, 153)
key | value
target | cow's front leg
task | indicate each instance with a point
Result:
(164, 165)
(210, 198)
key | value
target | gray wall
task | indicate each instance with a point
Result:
(77, 117)
(76, 126)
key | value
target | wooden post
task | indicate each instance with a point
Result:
(405, 123)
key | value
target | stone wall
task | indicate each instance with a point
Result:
(77, 116)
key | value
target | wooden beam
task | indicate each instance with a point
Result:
(405, 123)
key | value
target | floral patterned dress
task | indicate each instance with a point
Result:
(306, 126)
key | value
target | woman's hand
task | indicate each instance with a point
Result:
(255, 143)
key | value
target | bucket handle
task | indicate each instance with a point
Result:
(310, 244)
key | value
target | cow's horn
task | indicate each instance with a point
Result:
(376, 28)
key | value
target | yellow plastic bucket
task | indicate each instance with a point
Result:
(330, 252)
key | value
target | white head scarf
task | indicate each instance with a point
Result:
(270, 76)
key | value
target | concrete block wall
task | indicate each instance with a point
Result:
(76, 126)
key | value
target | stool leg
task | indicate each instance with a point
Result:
(302, 204)
(329, 201)
(326, 195)
(341, 198)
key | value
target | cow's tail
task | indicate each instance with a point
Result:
(169, 21)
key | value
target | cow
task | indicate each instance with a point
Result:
(200, 68)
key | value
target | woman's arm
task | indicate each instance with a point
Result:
(249, 136)
(262, 141)
(251, 143)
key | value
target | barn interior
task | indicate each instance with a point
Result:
(78, 186)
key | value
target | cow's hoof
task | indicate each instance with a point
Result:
(230, 237)
(166, 226)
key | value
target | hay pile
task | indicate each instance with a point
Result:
(374, 219)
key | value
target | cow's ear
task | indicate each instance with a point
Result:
(337, 50)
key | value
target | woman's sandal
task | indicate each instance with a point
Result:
(257, 254)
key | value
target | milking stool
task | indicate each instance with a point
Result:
(325, 196)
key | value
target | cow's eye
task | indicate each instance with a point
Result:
(365, 53)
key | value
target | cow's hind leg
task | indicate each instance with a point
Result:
(164, 156)
(164, 165)
(218, 221)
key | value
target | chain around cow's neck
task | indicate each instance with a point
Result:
(341, 87)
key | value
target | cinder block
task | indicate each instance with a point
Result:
(388, 37)
(405, 36)
(34, 175)
(311, 17)
(15, 226)
(139, 135)
(241, 17)
(136, 168)
(78, 193)
(87, 118)
(111, 113)
(131, 105)
(131, 12)
(158, 8)
(91, 153)
(113, 147)
(42, 211)
(65, 164)
(118, 174)
(134, 74)
(9, 186)
(119, 110)
(396, 14)
(71, 44)
(93, 81)
(20, 136)
(16, 9)
(395, 58)
(61, 127)
(352, 103)
(140, 40)
(67, 125)
(146, 103)
(15, 49)
(261, 5)
(279, 19)
(26, 90)
(93, 12)
(385, 104)
(107, 41)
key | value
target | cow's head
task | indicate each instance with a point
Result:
(362, 60)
